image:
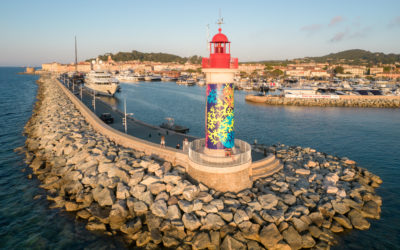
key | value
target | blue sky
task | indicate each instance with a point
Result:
(34, 32)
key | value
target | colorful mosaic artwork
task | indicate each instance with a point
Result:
(220, 116)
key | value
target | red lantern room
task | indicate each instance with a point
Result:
(220, 53)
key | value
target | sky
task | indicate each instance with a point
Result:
(36, 32)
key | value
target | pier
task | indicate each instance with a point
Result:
(341, 101)
(150, 200)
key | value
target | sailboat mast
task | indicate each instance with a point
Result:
(76, 57)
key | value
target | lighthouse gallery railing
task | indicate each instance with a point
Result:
(241, 154)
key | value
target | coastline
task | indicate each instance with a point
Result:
(152, 203)
(342, 101)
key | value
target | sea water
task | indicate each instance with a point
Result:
(367, 135)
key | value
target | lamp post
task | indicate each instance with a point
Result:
(124, 121)
(94, 101)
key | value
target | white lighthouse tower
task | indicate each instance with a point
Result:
(219, 160)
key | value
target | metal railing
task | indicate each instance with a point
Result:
(240, 154)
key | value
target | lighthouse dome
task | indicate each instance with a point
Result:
(220, 38)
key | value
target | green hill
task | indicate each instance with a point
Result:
(154, 57)
(357, 56)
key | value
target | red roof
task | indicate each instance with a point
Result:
(220, 38)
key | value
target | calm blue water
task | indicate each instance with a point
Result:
(369, 136)
(25, 218)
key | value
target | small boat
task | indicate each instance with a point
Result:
(170, 125)
(152, 78)
(186, 81)
(127, 77)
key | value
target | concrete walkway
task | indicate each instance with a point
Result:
(136, 127)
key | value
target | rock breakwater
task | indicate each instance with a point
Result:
(153, 204)
(343, 101)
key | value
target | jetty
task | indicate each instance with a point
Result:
(122, 185)
(341, 101)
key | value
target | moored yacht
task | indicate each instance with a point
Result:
(127, 77)
(102, 83)
(151, 78)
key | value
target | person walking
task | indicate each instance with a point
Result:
(185, 145)
(162, 142)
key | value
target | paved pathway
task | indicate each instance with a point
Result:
(138, 128)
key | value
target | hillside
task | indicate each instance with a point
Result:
(154, 57)
(357, 56)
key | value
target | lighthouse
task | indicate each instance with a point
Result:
(220, 161)
(220, 70)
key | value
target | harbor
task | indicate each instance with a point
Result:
(200, 125)
(146, 174)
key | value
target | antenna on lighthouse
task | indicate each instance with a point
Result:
(220, 20)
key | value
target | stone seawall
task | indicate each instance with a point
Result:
(342, 101)
(152, 204)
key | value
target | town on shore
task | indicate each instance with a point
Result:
(292, 78)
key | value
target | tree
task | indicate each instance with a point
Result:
(338, 70)
(386, 69)
(276, 73)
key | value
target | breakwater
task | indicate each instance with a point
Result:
(119, 190)
(342, 101)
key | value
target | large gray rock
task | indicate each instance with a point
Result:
(229, 243)
(300, 225)
(190, 221)
(268, 201)
(213, 222)
(122, 191)
(137, 190)
(201, 240)
(143, 239)
(95, 226)
(343, 221)
(159, 208)
(156, 188)
(317, 218)
(174, 213)
(190, 192)
(185, 206)
(132, 226)
(103, 196)
(226, 215)
(270, 236)
(209, 208)
(292, 237)
(172, 178)
(289, 199)
(136, 177)
(240, 216)
(140, 207)
(371, 209)
(120, 173)
(307, 241)
(170, 242)
(358, 220)
(118, 214)
(340, 207)
(150, 179)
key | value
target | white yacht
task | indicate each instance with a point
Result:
(152, 78)
(127, 77)
(102, 83)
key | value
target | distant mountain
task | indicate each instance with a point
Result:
(154, 57)
(357, 56)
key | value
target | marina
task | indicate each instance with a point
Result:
(163, 133)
